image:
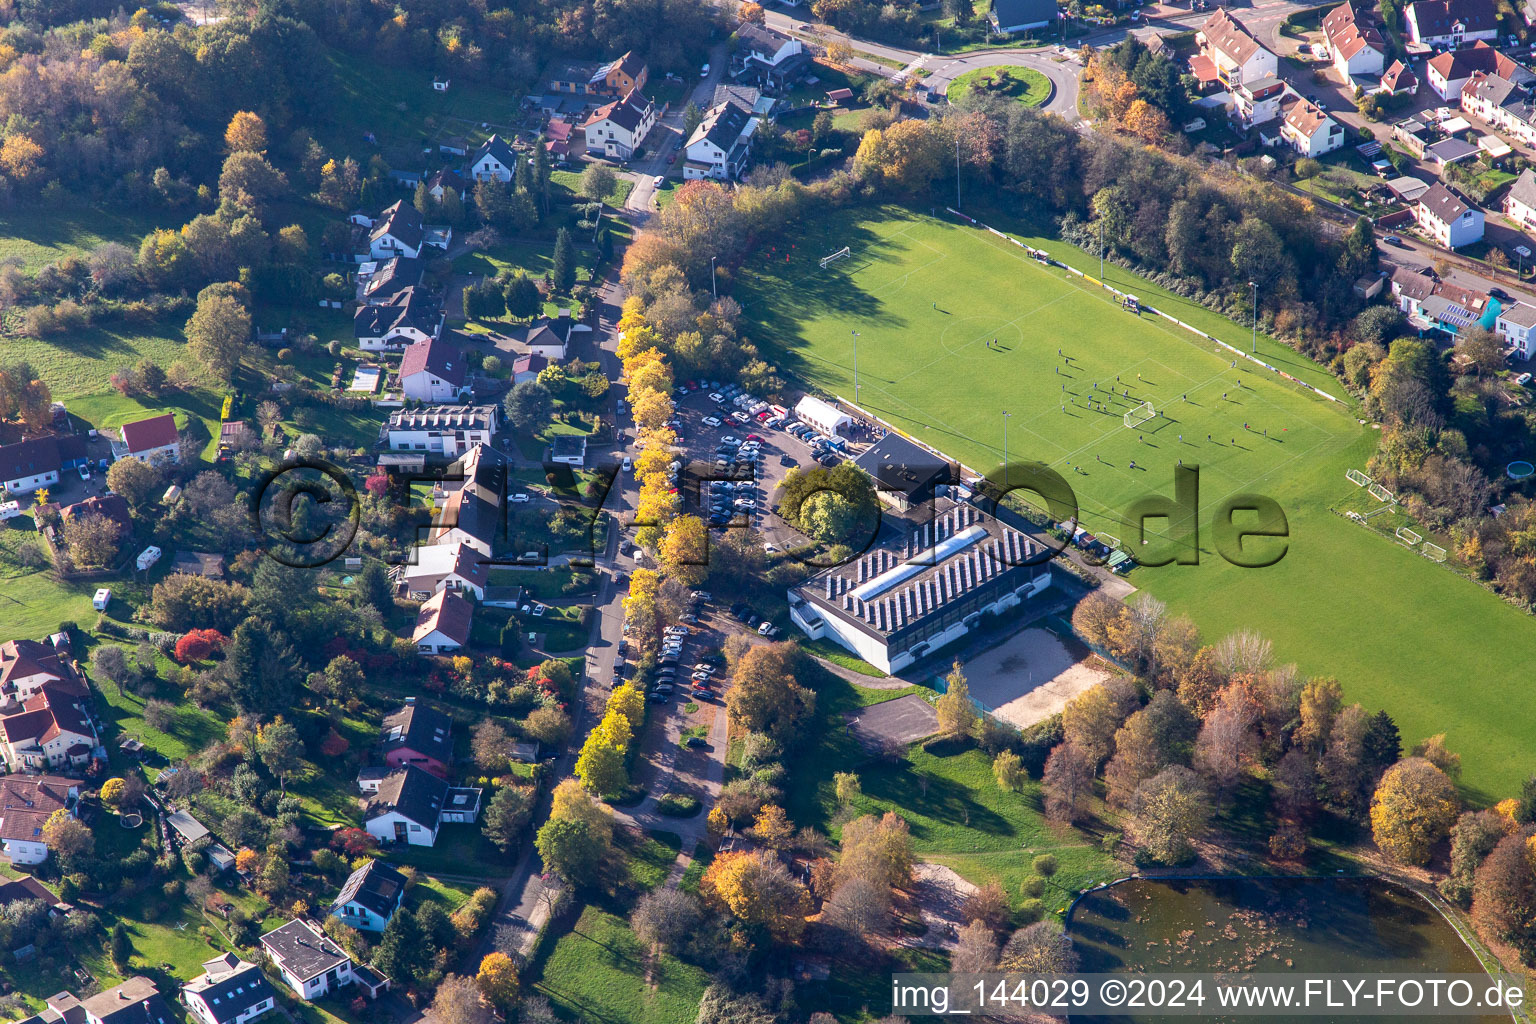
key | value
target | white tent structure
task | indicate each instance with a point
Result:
(826, 418)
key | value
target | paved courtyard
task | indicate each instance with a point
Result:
(901, 721)
(1031, 676)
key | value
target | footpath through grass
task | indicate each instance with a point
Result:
(958, 328)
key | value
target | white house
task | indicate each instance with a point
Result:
(1449, 72)
(617, 129)
(1502, 104)
(1398, 80)
(398, 232)
(411, 805)
(494, 159)
(229, 991)
(1259, 101)
(1308, 130)
(434, 370)
(311, 964)
(442, 625)
(1517, 326)
(369, 897)
(767, 45)
(1355, 44)
(52, 728)
(25, 665)
(1448, 218)
(568, 449)
(721, 144)
(1237, 55)
(26, 801)
(1451, 23)
(447, 430)
(1520, 201)
(153, 440)
(407, 316)
(438, 567)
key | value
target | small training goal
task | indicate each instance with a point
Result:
(1407, 536)
(1141, 414)
(842, 253)
(1379, 492)
(1434, 552)
(1357, 478)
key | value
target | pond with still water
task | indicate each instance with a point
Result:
(1291, 926)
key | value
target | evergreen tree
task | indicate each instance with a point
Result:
(260, 667)
(1381, 745)
(521, 296)
(399, 954)
(423, 199)
(371, 586)
(541, 170)
(564, 273)
(523, 177)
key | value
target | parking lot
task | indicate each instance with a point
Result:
(735, 463)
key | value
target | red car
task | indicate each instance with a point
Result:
(753, 437)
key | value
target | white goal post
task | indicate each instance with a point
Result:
(1379, 492)
(1357, 478)
(1434, 552)
(1407, 536)
(840, 254)
(1141, 414)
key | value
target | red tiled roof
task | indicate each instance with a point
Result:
(446, 613)
(145, 435)
(26, 801)
(1203, 68)
(1225, 33)
(440, 357)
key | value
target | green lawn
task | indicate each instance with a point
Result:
(40, 236)
(571, 181)
(1025, 85)
(598, 971)
(651, 860)
(32, 606)
(82, 362)
(957, 814)
(1438, 653)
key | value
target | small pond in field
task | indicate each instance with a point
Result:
(1296, 926)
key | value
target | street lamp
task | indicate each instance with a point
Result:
(855, 367)
(1101, 250)
(957, 170)
(1255, 346)
(1006, 414)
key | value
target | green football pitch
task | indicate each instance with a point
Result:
(961, 335)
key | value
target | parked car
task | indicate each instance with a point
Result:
(764, 628)
(1523, 379)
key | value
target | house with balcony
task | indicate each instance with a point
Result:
(369, 897)
(1448, 218)
(1235, 54)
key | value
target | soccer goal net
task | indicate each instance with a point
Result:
(1139, 415)
(1379, 492)
(1434, 552)
(1407, 536)
(1357, 478)
(842, 253)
